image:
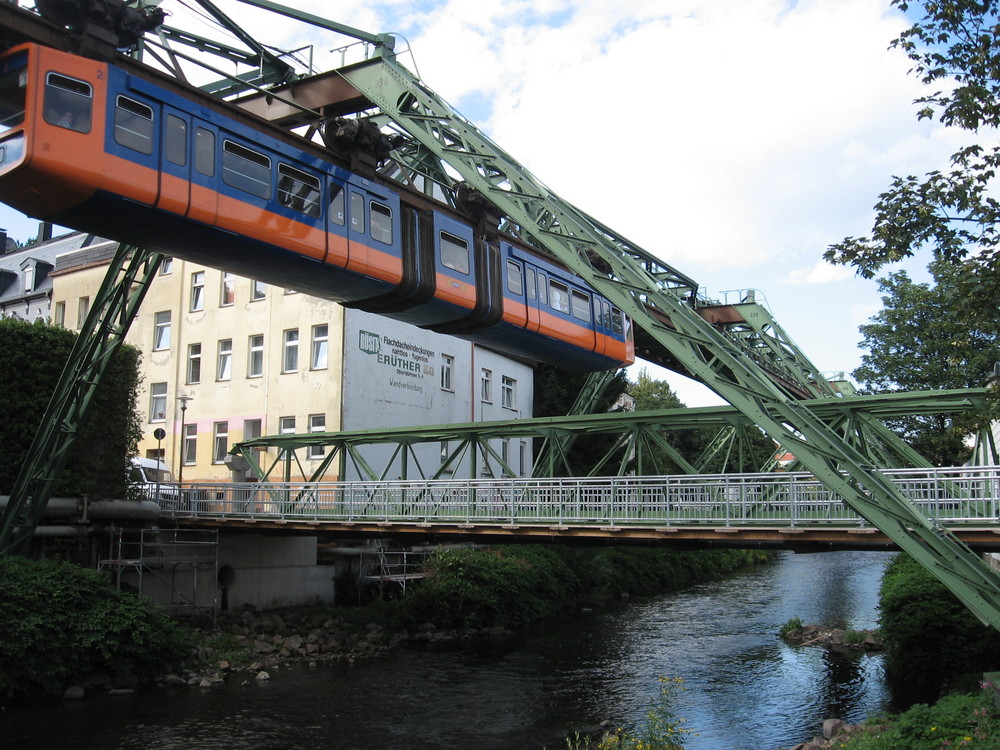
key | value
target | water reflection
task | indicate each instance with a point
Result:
(745, 687)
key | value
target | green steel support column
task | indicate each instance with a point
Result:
(638, 282)
(115, 306)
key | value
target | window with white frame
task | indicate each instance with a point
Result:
(255, 356)
(197, 291)
(224, 362)
(166, 266)
(220, 442)
(447, 372)
(258, 290)
(228, 295)
(290, 351)
(194, 363)
(59, 314)
(286, 425)
(190, 448)
(82, 310)
(320, 336)
(161, 331)
(317, 423)
(507, 392)
(157, 402)
(486, 386)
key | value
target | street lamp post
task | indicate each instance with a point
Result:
(180, 463)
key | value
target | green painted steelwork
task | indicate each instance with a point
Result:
(635, 431)
(102, 334)
(659, 300)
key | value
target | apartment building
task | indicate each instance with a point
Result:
(227, 358)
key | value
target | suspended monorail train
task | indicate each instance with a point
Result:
(104, 149)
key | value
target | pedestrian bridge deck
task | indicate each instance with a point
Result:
(773, 509)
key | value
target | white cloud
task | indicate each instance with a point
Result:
(821, 273)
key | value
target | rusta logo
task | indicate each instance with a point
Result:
(369, 343)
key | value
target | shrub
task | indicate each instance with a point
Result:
(61, 622)
(930, 636)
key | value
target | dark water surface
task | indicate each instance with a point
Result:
(744, 688)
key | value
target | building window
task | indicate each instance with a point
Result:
(317, 423)
(486, 386)
(157, 402)
(521, 451)
(258, 290)
(220, 442)
(320, 335)
(252, 428)
(190, 449)
(166, 266)
(161, 331)
(194, 363)
(224, 369)
(286, 425)
(445, 452)
(447, 372)
(507, 386)
(290, 353)
(59, 314)
(82, 311)
(255, 359)
(197, 291)
(228, 296)
(505, 452)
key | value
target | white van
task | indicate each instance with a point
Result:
(153, 477)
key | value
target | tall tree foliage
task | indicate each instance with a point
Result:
(34, 355)
(955, 50)
(922, 341)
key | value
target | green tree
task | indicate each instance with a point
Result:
(955, 48)
(34, 355)
(748, 449)
(921, 341)
(555, 391)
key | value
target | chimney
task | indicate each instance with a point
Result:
(3, 241)
(44, 231)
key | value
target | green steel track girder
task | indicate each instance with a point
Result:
(639, 283)
(114, 308)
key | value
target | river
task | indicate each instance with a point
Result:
(744, 689)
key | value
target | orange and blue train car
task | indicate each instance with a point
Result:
(92, 146)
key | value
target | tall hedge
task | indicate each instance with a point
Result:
(33, 358)
(931, 638)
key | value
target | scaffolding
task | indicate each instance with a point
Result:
(166, 565)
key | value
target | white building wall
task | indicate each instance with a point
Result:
(394, 376)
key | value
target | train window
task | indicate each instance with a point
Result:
(134, 125)
(581, 305)
(617, 325)
(204, 151)
(454, 253)
(381, 222)
(336, 204)
(298, 190)
(559, 296)
(13, 92)
(541, 289)
(357, 212)
(175, 145)
(245, 169)
(68, 103)
(514, 281)
(531, 283)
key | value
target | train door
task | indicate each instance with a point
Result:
(133, 137)
(602, 325)
(204, 159)
(175, 162)
(515, 308)
(338, 248)
(373, 232)
(532, 314)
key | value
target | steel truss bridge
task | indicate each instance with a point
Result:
(773, 509)
(737, 350)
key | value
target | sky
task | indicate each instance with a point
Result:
(734, 140)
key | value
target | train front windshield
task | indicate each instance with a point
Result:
(13, 91)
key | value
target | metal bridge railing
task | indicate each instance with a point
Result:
(955, 495)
